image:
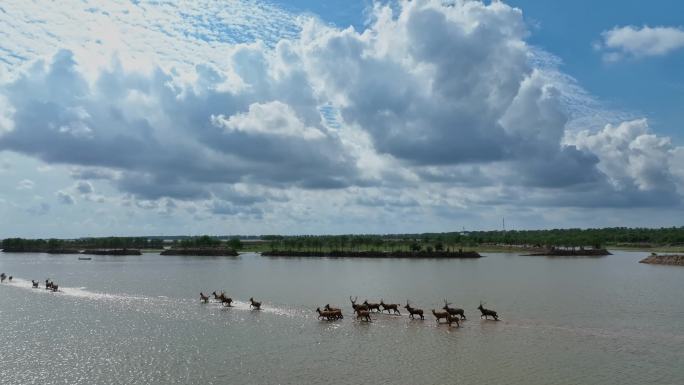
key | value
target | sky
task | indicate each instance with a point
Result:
(331, 117)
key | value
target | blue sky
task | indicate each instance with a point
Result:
(255, 117)
(568, 29)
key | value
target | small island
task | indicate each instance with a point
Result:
(201, 251)
(672, 260)
(374, 254)
(112, 252)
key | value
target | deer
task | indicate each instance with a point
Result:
(336, 311)
(447, 317)
(356, 306)
(226, 301)
(204, 298)
(54, 287)
(3, 276)
(35, 284)
(372, 306)
(413, 311)
(254, 304)
(48, 284)
(330, 315)
(218, 296)
(364, 315)
(453, 311)
(10, 278)
(487, 313)
(323, 314)
(390, 306)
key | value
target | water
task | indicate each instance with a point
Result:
(138, 320)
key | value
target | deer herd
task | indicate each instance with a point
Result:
(449, 315)
(363, 311)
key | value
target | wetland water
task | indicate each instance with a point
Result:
(138, 320)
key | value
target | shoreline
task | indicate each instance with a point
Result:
(374, 254)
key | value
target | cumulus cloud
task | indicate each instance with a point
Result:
(84, 187)
(631, 156)
(429, 106)
(65, 198)
(640, 42)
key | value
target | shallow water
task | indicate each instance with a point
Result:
(137, 319)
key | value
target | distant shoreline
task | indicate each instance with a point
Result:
(375, 254)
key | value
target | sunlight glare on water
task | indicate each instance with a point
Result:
(138, 319)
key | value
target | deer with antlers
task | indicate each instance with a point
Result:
(356, 306)
(254, 304)
(453, 311)
(372, 306)
(413, 311)
(487, 312)
(390, 306)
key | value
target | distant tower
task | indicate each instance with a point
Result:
(503, 224)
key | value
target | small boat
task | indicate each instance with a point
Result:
(84, 258)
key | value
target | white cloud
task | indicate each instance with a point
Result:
(631, 156)
(639, 42)
(65, 198)
(430, 113)
(273, 118)
(25, 184)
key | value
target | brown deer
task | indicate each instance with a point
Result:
(330, 315)
(204, 298)
(447, 317)
(372, 306)
(364, 315)
(3, 276)
(453, 311)
(35, 284)
(10, 278)
(487, 313)
(356, 306)
(334, 310)
(218, 296)
(413, 311)
(226, 301)
(48, 284)
(390, 306)
(323, 314)
(254, 304)
(54, 287)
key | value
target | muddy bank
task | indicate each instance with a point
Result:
(202, 252)
(40, 250)
(374, 254)
(655, 259)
